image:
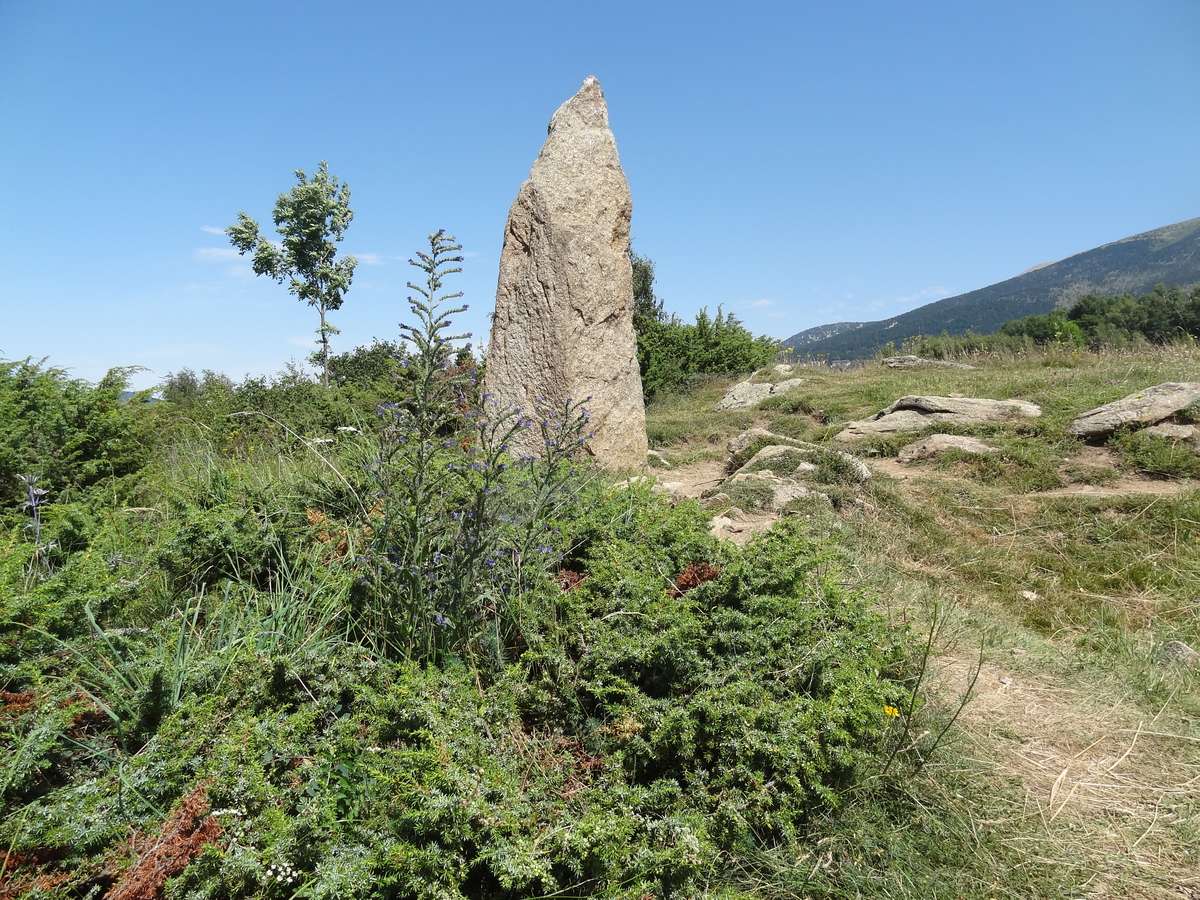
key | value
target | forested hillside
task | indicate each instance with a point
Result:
(1168, 255)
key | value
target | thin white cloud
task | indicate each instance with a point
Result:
(369, 259)
(215, 254)
(213, 229)
(761, 303)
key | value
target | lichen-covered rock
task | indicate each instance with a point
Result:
(778, 458)
(1172, 431)
(1179, 653)
(746, 394)
(739, 530)
(788, 384)
(914, 413)
(563, 329)
(759, 439)
(777, 491)
(742, 442)
(937, 444)
(920, 362)
(1148, 407)
(974, 409)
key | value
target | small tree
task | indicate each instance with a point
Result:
(310, 219)
(646, 306)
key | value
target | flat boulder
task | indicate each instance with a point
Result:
(744, 395)
(780, 459)
(914, 413)
(920, 362)
(776, 445)
(777, 490)
(1180, 654)
(1149, 407)
(737, 530)
(747, 394)
(742, 442)
(936, 444)
(1174, 432)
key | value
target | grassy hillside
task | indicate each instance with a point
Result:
(1073, 771)
(1168, 255)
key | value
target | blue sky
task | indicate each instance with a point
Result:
(798, 163)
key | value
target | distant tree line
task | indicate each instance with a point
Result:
(1165, 314)
(672, 353)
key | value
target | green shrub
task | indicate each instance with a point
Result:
(69, 434)
(673, 354)
(643, 736)
(1158, 456)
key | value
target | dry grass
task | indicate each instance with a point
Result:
(1102, 782)
(1081, 750)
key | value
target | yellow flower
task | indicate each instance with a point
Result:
(891, 711)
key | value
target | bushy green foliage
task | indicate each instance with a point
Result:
(1163, 315)
(396, 660)
(640, 737)
(68, 433)
(673, 353)
(459, 521)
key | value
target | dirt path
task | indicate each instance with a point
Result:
(1107, 785)
(693, 479)
(1122, 486)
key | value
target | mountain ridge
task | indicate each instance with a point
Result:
(1134, 264)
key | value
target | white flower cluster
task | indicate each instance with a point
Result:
(282, 873)
(236, 825)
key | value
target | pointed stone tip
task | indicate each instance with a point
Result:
(589, 90)
(587, 107)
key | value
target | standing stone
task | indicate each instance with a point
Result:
(563, 328)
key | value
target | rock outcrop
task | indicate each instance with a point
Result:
(1179, 653)
(747, 394)
(563, 328)
(920, 362)
(1149, 407)
(1172, 432)
(760, 444)
(937, 444)
(915, 413)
